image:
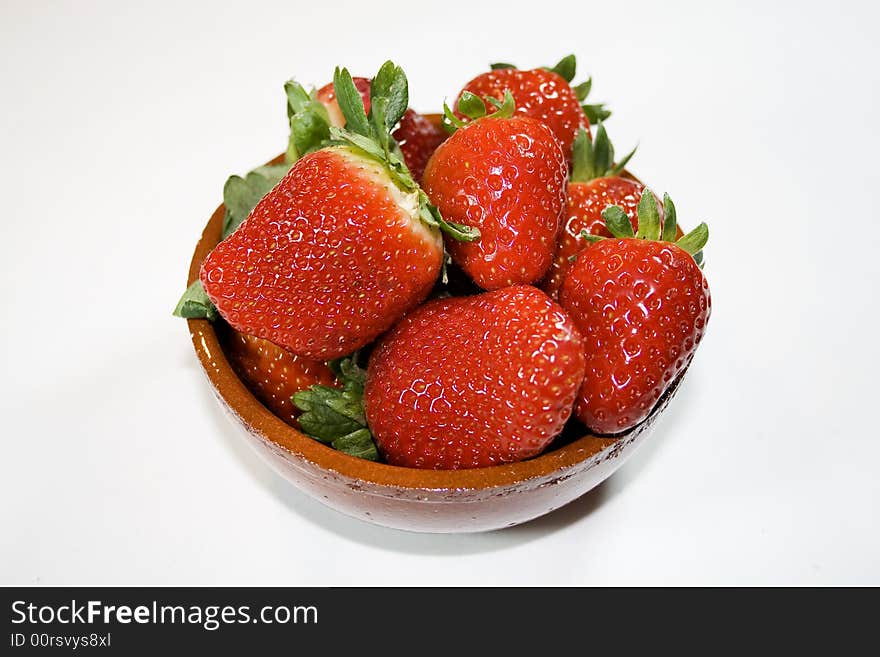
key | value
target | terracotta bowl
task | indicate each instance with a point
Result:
(474, 500)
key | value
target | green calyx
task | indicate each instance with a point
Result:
(335, 416)
(474, 107)
(370, 134)
(195, 304)
(241, 195)
(595, 159)
(566, 69)
(309, 122)
(651, 227)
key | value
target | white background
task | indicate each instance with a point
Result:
(118, 127)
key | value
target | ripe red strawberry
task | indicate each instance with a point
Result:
(273, 374)
(342, 247)
(593, 186)
(417, 137)
(464, 382)
(543, 94)
(505, 176)
(642, 306)
(328, 260)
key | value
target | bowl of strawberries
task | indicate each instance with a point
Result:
(446, 323)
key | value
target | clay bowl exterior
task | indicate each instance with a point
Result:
(472, 500)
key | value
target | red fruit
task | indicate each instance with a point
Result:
(593, 186)
(540, 94)
(327, 96)
(328, 260)
(583, 212)
(468, 382)
(273, 374)
(642, 307)
(505, 176)
(418, 138)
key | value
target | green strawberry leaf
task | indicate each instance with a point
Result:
(241, 195)
(450, 121)
(471, 105)
(504, 109)
(308, 132)
(431, 216)
(649, 217)
(583, 168)
(377, 121)
(390, 83)
(669, 222)
(350, 103)
(603, 151)
(596, 112)
(650, 228)
(362, 143)
(474, 107)
(617, 221)
(336, 415)
(582, 90)
(621, 165)
(500, 65)
(297, 98)
(308, 119)
(323, 423)
(358, 443)
(195, 304)
(566, 67)
(695, 240)
(595, 159)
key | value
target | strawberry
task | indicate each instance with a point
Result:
(593, 186)
(273, 374)
(543, 94)
(342, 246)
(506, 176)
(461, 382)
(417, 136)
(642, 305)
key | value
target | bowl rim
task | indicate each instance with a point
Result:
(261, 422)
